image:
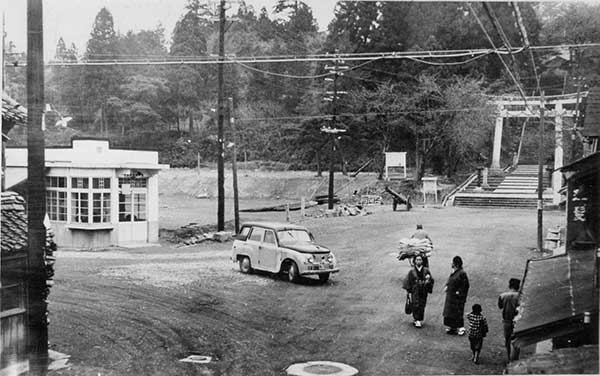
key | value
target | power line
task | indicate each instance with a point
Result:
(449, 64)
(367, 56)
(523, 32)
(283, 74)
(500, 31)
(500, 57)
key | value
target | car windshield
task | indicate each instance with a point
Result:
(286, 236)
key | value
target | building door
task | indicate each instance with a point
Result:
(133, 210)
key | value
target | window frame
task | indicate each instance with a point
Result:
(56, 186)
(255, 229)
(274, 242)
(136, 198)
(95, 215)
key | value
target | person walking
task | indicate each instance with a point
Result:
(456, 290)
(508, 302)
(478, 329)
(421, 234)
(418, 283)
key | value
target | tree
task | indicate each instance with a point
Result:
(191, 85)
(381, 123)
(102, 44)
(354, 26)
(140, 105)
(466, 126)
(63, 88)
(100, 82)
(575, 23)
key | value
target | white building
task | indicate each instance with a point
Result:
(96, 196)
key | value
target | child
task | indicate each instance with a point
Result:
(478, 329)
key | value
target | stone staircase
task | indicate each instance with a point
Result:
(514, 189)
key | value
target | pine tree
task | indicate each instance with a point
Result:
(99, 82)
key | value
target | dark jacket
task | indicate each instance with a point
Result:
(457, 288)
(418, 285)
(508, 303)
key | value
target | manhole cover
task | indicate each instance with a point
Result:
(202, 359)
(321, 368)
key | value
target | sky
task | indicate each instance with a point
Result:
(73, 19)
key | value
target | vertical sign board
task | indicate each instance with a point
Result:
(429, 186)
(395, 159)
(583, 212)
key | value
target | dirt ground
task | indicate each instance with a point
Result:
(138, 311)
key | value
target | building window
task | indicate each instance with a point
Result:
(81, 205)
(101, 211)
(132, 199)
(56, 198)
(134, 182)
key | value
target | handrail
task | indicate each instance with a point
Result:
(460, 187)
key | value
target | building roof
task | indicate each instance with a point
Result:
(556, 289)
(12, 113)
(570, 360)
(591, 123)
(583, 165)
(14, 223)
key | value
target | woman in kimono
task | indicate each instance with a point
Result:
(456, 290)
(418, 284)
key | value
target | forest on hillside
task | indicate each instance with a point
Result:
(438, 110)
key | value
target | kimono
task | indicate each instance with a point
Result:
(418, 286)
(457, 288)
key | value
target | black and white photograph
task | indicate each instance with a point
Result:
(299, 187)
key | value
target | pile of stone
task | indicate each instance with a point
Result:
(344, 210)
(195, 234)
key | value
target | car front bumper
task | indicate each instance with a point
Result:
(319, 271)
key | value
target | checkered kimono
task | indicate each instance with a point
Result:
(478, 327)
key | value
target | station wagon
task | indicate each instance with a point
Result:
(282, 248)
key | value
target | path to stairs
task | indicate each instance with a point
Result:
(517, 189)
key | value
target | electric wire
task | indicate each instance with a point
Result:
(500, 57)
(500, 31)
(449, 64)
(230, 59)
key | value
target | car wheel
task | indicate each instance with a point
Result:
(245, 265)
(324, 277)
(293, 274)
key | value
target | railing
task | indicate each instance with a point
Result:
(459, 188)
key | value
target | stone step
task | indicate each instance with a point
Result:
(498, 202)
(500, 191)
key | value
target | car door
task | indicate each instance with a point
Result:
(254, 243)
(268, 255)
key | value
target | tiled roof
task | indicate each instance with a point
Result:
(12, 113)
(571, 360)
(557, 288)
(14, 223)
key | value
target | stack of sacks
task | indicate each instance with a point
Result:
(408, 248)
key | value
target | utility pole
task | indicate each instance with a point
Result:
(2, 182)
(236, 203)
(220, 99)
(576, 120)
(332, 130)
(37, 345)
(540, 198)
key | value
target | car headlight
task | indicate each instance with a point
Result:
(310, 259)
(330, 257)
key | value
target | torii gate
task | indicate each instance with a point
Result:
(554, 106)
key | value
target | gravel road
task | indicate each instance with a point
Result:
(138, 311)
